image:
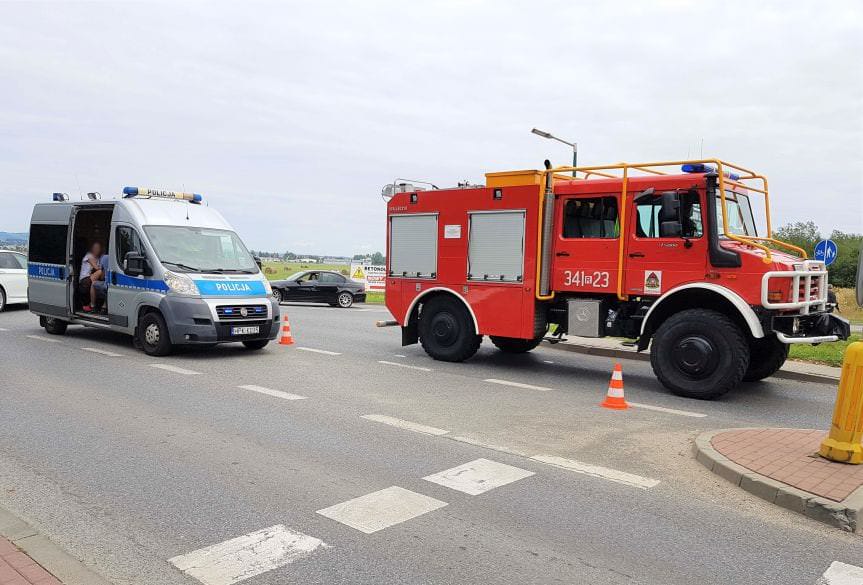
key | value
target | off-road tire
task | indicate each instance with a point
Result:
(515, 344)
(699, 353)
(446, 330)
(256, 344)
(766, 356)
(54, 326)
(153, 335)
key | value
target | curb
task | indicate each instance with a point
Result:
(644, 357)
(53, 559)
(846, 515)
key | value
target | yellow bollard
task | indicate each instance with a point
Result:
(846, 431)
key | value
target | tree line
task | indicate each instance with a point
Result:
(806, 234)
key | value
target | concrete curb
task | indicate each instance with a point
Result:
(846, 515)
(55, 560)
(644, 356)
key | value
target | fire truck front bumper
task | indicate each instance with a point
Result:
(811, 328)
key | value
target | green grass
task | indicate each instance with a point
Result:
(826, 353)
(848, 305)
(282, 270)
(375, 298)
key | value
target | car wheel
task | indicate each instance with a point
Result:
(699, 353)
(277, 295)
(766, 356)
(54, 326)
(2, 299)
(256, 343)
(153, 334)
(446, 330)
(514, 344)
(346, 300)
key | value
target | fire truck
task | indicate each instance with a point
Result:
(666, 254)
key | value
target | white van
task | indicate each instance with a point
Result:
(177, 271)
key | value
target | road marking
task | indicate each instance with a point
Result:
(478, 476)
(41, 338)
(323, 351)
(102, 352)
(404, 366)
(381, 509)
(399, 355)
(243, 557)
(3, 329)
(491, 446)
(841, 574)
(547, 362)
(517, 384)
(271, 392)
(175, 369)
(668, 410)
(404, 424)
(597, 471)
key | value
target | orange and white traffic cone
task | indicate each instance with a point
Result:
(614, 399)
(286, 338)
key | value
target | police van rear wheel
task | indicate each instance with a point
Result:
(55, 326)
(446, 330)
(153, 335)
(699, 353)
(514, 344)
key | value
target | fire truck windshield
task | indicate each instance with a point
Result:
(740, 219)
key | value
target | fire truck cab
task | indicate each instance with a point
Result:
(666, 254)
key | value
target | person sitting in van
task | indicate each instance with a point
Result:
(99, 289)
(90, 272)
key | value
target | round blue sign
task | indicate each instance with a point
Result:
(826, 251)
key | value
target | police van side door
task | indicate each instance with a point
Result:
(123, 289)
(49, 270)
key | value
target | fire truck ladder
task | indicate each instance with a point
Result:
(736, 177)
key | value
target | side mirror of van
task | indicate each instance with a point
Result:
(670, 225)
(135, 264)
(258, 262)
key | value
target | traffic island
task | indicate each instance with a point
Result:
(783, 466)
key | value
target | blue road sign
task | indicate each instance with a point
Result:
(826, 251)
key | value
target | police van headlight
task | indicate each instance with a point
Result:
(180, 284)
(267, 287)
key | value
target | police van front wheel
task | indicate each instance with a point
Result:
(153, 334)
(699, 353)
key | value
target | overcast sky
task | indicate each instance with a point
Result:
(289, 117)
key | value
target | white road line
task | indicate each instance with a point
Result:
(243, 557)
(668, 410)
(597, 471)
(102, 352)
(323, 351)
(547, 362)
(478, 476)
(841, 574)
(517, 384)
(175, 369)
(491, 446)
(405, 424)
(381, 509)
(40, 338)
(3, 329)
(404, 366)
(270, 392)
(398, 355)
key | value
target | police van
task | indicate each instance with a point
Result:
(177, 273)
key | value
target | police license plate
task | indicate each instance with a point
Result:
(245, 330)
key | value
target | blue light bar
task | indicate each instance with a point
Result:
(60, 197)
(732, 176)
(697, 168)
(142, 192)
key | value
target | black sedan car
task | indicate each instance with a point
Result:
(319, 286)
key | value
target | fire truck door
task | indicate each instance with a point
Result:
(655, 263)
(586, 243)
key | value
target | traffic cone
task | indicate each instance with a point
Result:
(286, 338)
(614, 399)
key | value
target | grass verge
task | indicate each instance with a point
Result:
(826, 353)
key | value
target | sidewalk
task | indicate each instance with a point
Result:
(16, 568)
(782, 466)
(612, 347)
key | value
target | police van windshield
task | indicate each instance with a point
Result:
(740, 219)
(193, 249)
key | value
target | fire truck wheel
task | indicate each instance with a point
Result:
(514, 344)
(699, 353)
(766, 355)
(446, 330)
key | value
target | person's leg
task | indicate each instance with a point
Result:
(84, 291)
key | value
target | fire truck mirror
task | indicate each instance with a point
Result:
(670, 225)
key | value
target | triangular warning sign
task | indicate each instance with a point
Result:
(358, 273)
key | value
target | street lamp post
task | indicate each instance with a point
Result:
(550, 136)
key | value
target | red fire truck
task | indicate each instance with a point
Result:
(666, 254)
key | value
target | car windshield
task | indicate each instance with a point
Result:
(297, 276)
(740, 219)
(194, 249)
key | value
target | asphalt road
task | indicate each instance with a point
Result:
(134, 463)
